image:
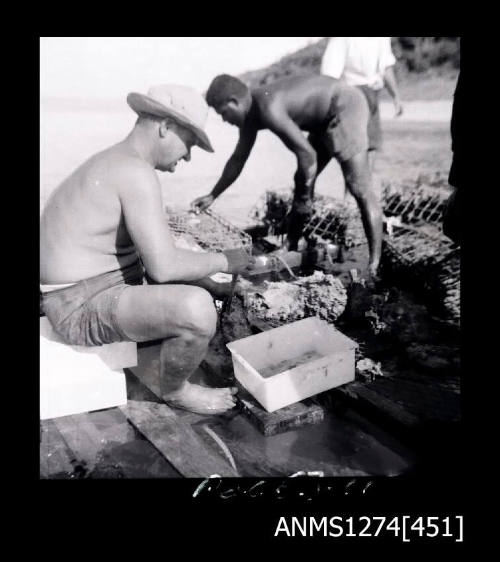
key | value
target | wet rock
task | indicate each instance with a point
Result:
(234, 322)
(281, 302)
(434, 358)
(367, 370)
(407, 321)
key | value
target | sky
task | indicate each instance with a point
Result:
(110, 67)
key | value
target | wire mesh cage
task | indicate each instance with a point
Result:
(336, 221)
(209, 230)
(332, 220)
(415, 203)
(412, 246)
(426, 259)
(416, 249)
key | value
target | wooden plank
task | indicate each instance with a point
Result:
(365, 396)
(101, 444)
(287, 418)
(176, 440)
(55, 456)
(314, 448)
(83, 438)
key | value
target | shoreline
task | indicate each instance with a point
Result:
(414, 110)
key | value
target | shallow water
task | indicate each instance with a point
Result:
(343, 444)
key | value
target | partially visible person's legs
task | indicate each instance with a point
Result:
(357, 177)
(374, 128)
(184, 317)
(371, 160)
(347, 138)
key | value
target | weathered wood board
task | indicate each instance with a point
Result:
(176, 440)
(290, 417)
(101, 444)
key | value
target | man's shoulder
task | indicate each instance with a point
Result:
(121, 158)
(127, 168)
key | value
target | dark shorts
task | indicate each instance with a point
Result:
(346, 132)
(374, 126)
(85, 313)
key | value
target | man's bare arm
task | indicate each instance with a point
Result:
(218, 289)
(290, 133)
(237, 161)
(142, 208)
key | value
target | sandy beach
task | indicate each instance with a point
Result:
(72, 130)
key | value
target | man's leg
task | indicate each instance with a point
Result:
(371, 161)
(296, 226)
(376, 185)
(184, 317)
(357, 177)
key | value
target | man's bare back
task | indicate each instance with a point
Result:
(83, 220)
(306, 100)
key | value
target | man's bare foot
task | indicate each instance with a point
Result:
(201, 399)
(373, 269)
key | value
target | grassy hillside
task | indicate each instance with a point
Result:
(426, 68)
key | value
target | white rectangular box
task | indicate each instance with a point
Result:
(76, 379)
(288, 364)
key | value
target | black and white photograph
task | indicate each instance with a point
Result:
(249, 257)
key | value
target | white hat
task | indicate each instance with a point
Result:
(181, 103)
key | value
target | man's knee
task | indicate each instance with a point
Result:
(362, 190)
(199, 316)
(356, 172)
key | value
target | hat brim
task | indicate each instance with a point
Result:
(141, 103)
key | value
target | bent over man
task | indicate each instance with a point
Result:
(334, 115)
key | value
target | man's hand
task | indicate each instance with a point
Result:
(238, 261)
(200, 204)
(398, 108)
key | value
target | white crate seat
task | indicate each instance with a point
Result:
(76, 379)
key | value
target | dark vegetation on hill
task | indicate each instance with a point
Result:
(416, 57)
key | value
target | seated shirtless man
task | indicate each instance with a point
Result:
(105, 224)
(336, 117)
